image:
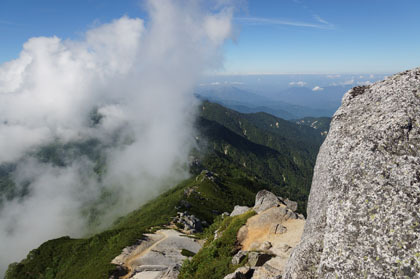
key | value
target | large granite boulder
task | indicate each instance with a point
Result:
(364, 206)
(265, 200)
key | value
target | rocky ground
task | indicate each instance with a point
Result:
(268, 238)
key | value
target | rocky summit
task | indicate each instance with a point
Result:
(363, 210)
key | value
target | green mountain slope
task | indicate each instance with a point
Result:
(228, 154)
(322, 124)
(266, 129)
(278, 151)
(238, 155)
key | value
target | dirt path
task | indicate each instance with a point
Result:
(129, 263)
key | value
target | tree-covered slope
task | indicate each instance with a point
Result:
(321, 124)
(278, 151)
(228, 153)
(265, 129)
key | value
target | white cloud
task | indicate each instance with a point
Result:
(368, 82)
(218, 26)
(236, 82)
(297, 83)
(333, 76)
(348, 82)
(276, 21)
(317, 88)
(217, 83)
(140, 78)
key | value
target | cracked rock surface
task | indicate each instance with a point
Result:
(364, 206)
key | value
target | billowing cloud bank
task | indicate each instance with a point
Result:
(125, 92)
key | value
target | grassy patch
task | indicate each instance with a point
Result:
(214, 259)
(187, 253)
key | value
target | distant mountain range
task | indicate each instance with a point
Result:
(291, 103)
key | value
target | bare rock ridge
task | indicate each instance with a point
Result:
(363, 210)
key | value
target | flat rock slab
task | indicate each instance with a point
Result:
(168, 251)
(128, 252)
(148, 275)
(156, 254)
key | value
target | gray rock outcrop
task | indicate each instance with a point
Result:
(238, 210)
(265, 200)
(363, 210)
(256, 258)
(292, 205)
(188, 223)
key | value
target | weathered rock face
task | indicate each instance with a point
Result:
(363, 211)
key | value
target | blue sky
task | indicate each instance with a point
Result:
(274, 36)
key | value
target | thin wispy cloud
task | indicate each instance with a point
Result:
(321, 20)
(333, 76)
(276, 21)
(297, 83)
(9, 23)
(367, 82)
